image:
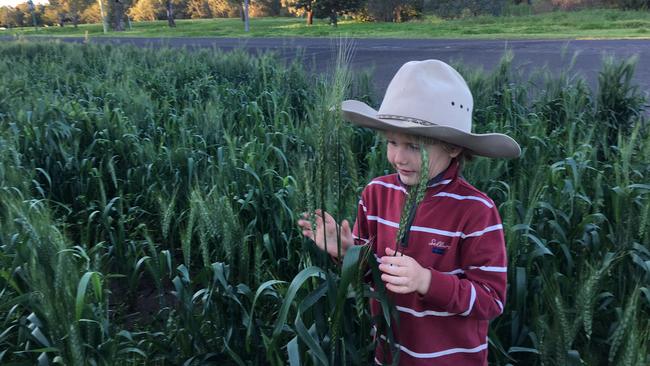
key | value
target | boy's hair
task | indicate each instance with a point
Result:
(465, 153)
(464, 156)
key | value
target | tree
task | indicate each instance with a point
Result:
(11, 17)
(4, 17)
(265, 8)
(332, 9)
(460, 8)
(76, 8)
(103, 13)
(61, 11)
(55, 12)
(116, 14)
(146, 10)
(170, 13)
(26, 14)
(394, 10)
(634, 4)
(308, 7)
(72, 9)
(32, 11)
(245, 16)
(51, 15)
(198, 9)
(91, 14)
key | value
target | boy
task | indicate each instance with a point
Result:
(448, 278)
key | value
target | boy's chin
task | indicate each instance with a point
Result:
(409, 180)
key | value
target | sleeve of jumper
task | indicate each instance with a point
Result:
(479, 291)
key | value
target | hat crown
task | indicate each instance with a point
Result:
(429, 91)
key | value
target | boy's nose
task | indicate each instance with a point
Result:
(401, 156)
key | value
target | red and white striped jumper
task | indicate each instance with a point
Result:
(457, 234)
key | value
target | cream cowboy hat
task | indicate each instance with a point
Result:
(429, 98)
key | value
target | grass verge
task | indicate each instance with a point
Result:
(587, 24)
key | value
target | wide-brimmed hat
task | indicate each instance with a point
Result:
(430, 99)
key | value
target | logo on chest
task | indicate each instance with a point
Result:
(438, 246)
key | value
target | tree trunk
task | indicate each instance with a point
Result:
(75, 15)
(117, 15)
(61, 20)
(310, 16)
(170, 14)
(246, 19)
(333, 18)
(103, 15)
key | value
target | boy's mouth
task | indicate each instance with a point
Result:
(405, 172)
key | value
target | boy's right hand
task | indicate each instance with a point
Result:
(325, 232)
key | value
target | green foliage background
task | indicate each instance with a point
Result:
(148, 201)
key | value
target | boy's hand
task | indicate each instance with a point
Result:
(403, 274)
(325, 232)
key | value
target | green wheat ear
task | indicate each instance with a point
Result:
(414, 194)
(424, 174)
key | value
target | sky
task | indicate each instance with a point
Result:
(15, 2)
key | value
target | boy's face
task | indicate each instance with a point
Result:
(403, 152)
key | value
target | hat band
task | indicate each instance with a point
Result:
(407, 119)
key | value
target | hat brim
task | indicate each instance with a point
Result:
(492, 145)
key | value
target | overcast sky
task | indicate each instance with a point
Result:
(15, 2)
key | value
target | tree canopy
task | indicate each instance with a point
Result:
(64, 12)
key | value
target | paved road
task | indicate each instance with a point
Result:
(387, 55)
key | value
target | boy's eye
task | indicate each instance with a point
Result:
(414, 147)
(392, 142)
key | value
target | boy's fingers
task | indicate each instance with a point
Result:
(395, 280)
(391, 288)
(324, 215)
(392, 252)
(328, 218)
(319, 220)
(396, 261)
(397, 289)
(393, 270)
(345, 228)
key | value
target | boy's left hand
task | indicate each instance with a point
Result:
(403, 274)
